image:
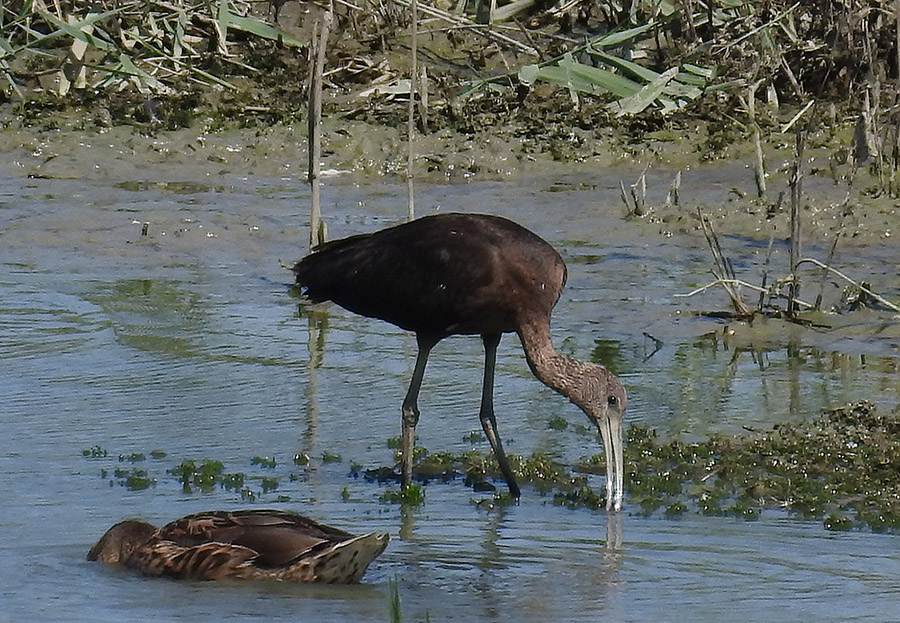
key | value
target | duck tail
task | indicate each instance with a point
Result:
(347, 561)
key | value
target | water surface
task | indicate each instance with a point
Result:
(187, 341)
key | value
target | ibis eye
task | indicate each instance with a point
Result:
(612, 400)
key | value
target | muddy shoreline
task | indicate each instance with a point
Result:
(192, 132)
(75, 145)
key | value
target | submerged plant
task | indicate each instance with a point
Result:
(395, 606)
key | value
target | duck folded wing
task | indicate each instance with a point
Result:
(276, 537)
(210, 561)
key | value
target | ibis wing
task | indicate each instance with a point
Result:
(443, 274)
(410, 278)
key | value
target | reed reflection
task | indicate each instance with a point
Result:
(317, 332)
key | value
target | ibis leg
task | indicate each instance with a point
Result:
(488, 421)
(411, 409)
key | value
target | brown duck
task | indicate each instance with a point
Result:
(246, 544)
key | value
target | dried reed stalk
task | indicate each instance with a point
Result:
(834, 271)
(672, 197)
(411, 121)
(480, 29)
(796, 184)
(765, 277)
(723, 270)
(760, 169)
(635, 199)
(317, 232)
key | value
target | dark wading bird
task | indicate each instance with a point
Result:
(468, 274)
(243, 545)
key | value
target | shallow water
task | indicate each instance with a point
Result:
(187, 341)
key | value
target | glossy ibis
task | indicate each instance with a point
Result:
(468, 274)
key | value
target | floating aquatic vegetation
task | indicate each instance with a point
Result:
(133, 479)
(395, 443)
(267, 462)
(557, 422)
(477, 469)
(476, 436)
(841, 468)
(204, 476)
(411, 494)
(94, 453)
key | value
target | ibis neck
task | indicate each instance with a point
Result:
(556, 371)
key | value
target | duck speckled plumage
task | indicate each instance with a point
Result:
(247, 544)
